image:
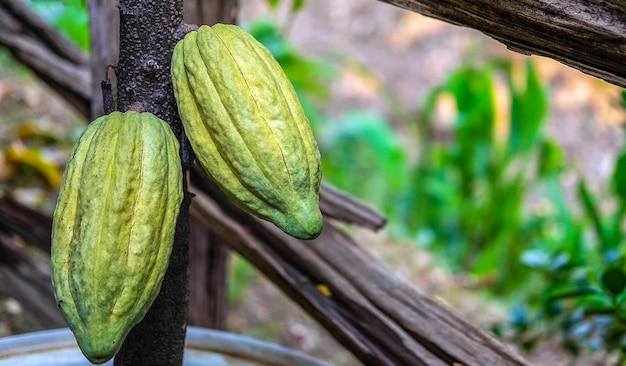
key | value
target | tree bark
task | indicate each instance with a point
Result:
(587, 35)
(149, 31)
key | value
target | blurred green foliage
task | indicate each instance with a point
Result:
(241, 273)
(362, 154)
(68, 16)
(468, 193)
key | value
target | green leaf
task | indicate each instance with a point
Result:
(550, 158)
(614, 280)
(619, 177)
(273, 3)
(536, 257)
(296, 5)
(529, 106)
(592, 213)
(74, 22)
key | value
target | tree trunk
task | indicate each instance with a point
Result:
(149, 31)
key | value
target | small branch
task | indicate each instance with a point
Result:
(343, 207)
(108, 105)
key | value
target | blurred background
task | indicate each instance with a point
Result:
(503, 176)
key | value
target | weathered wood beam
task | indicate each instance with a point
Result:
(377, 315)
(27, 279)
(587, 35)
(31, 225)
(208, 278)
(49, 54)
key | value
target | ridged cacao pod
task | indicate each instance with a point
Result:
(113, 227)
(247, 127)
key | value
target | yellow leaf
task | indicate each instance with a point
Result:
(324, 290)
(17, 153)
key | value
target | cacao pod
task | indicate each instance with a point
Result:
(247, 127)
(113, 227)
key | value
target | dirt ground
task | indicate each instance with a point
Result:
(409, 54)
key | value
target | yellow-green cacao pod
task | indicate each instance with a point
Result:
(247, 127)
(113, 227)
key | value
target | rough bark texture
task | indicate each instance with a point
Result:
(149, 31)
(587, 35)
